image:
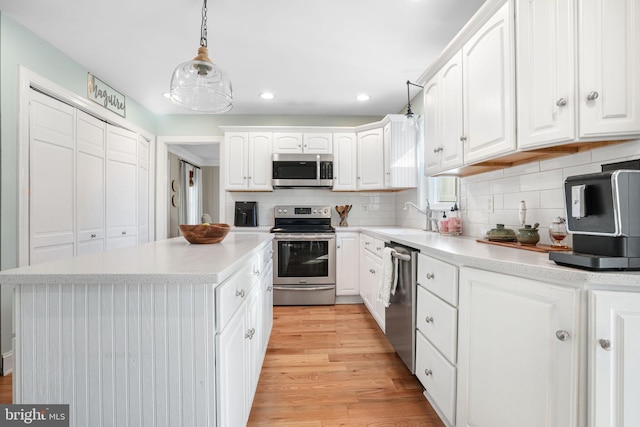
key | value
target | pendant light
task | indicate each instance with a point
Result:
(200, 85)
(410, 122)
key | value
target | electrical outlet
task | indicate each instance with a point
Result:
(490, 204)
(365, 208)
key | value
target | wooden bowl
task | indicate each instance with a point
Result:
(204, 233)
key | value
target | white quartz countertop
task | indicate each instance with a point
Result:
(465, 251)
(164, 261)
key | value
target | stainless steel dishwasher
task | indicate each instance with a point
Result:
(400, 316)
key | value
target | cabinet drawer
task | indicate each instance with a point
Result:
(438, 321)
(438, 377)
(234, 291)
(439, 277)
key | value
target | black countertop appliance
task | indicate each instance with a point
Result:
(246, 214)
(603, 214)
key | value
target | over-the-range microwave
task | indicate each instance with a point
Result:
(302, 170)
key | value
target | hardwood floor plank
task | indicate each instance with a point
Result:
(331, 366)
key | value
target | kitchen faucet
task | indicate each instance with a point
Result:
(426, 211)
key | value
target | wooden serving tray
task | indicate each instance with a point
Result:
(535, 248)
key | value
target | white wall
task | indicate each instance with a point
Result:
(539, 184)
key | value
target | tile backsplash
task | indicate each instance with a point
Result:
(494, 197)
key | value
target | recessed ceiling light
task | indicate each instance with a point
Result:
(267, 95)
(363, 97)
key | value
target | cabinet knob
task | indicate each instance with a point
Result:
(427, 372)
(561, 102)
(93, 236)
(124, 232)
(437, 150)
(428, 319)
(431, 276)
(606, 345)
(592, 96)
(463, 138)
(240, 293)
(562, 335)
(249, 334)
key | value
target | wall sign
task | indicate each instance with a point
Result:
(100, 93)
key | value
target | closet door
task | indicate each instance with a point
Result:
(143, 190)
(90, 183)
(122, 172)
(51, 179)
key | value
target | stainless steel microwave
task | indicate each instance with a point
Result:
(302, 170)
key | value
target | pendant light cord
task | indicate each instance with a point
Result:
(203, 26)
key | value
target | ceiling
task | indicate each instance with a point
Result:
(316, 56)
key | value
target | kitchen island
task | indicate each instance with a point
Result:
(141, 336)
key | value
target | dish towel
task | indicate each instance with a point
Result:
(387, 285)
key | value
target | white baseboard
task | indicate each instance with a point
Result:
(7, 363)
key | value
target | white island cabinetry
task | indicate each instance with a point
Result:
(160, 334)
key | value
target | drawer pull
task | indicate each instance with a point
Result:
(240, 293)
(428, 319)
(249, 334)
(431, 276)
(606, 345)
(93, 236)
(591, 96)
(427, 372)
(562, 335)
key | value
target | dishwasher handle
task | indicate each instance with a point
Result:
(401, 257)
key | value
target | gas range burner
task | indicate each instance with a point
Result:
(302, 219)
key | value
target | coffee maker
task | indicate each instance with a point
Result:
(246, 214)
(603, 215)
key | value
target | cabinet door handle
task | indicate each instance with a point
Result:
(592, 96)
(240, 293)
(428, 319)
(561, 102)
(428, 372)
(606, 345)
(431, 276)
(93, 236)
(562, 335)
(437, 150)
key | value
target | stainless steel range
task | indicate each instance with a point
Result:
(304, 249)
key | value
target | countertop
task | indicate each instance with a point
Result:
(465, 251)
(164, 261)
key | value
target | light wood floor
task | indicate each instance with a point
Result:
(331, 366)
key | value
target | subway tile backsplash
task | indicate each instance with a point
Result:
(491, 198)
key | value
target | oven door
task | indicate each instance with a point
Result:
(304, 270)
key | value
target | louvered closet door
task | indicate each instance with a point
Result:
(51, 179)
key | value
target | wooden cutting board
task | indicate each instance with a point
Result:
(535, 248)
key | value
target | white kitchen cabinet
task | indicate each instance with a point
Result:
(239, 319)
(370, 160)
(613, 349)
(121, 187)
(345, 165)
(437, 334)
(489, 89)
(303, 142)
(247, 160)
(370, 276)
(399, 153)
(52, 181)
(443, 118)
(347, 259)
(545, 67)
(609, 65)
(518, 358)
(90, 183)
(266, 286)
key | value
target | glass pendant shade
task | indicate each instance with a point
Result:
(200, 85)
(410, 123)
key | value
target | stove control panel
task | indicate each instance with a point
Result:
(311, 211)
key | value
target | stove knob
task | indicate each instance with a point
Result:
(285, 211)
(326, 211)
(279, 210)
(315, 211)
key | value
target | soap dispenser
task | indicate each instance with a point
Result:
(444, 224)
(454, 223)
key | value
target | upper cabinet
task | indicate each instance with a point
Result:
(345, 153)
(609, 68)
(296, 142)
(489, 89)
(370, 160)
(399, 154)
(545, 35)
(247, 161)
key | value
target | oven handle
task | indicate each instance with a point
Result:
(292, 288)
(302, 236)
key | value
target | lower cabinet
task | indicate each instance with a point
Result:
(347, 259)
(613, 352)
(371, 275)
(241, 340)
(518, 352)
